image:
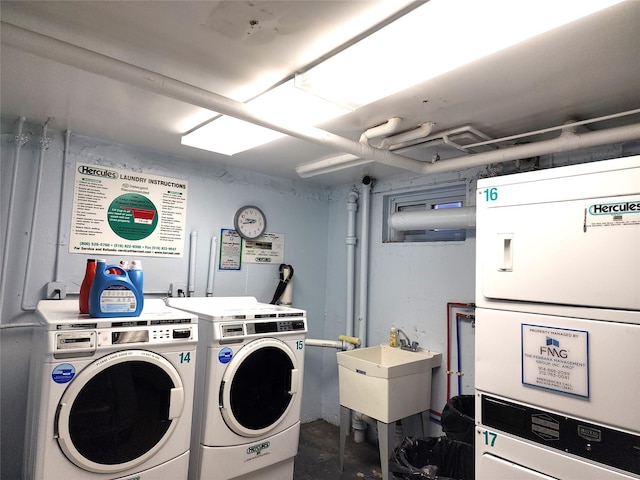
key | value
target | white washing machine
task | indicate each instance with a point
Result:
(249, 388)
(110, 398)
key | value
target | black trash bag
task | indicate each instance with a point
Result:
(458, 418)
(416, 458)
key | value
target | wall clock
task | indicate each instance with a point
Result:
(250, 222)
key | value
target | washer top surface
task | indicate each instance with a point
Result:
(232, 308)
(58, 314)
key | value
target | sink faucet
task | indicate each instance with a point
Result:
(406, 343)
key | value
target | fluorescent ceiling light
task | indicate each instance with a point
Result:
(433, 39)
(285, 105)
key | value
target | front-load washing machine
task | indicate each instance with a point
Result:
(248, 388)
(110, 398)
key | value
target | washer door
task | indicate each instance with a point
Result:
(258, 387)
(119, 411)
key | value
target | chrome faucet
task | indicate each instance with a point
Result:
(406, 343)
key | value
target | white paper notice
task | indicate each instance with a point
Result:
(122, 212)
(230, 250)
(267, 248)
(556, 359)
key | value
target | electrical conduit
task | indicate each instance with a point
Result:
(352, 209)
(44, 145)
(63, 183)
(20, 140)
(191, 288)
(450, 306)
(212, 266)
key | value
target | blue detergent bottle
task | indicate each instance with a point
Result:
(113, 294)
(136, 275)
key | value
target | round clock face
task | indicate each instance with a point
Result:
(250, 222)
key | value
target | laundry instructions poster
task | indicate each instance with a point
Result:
(120, 212)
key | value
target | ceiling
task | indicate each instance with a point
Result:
(239, 49)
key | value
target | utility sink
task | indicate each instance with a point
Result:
(386, 383)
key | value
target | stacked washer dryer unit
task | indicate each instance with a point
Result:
(249, 388)
(110, 398)
(558, 323)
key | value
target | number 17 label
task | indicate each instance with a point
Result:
(489, 438)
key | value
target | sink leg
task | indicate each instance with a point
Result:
(344, 431)
(386, 432)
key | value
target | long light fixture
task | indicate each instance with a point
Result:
(436, 38)
(433, 39)
(284, 104)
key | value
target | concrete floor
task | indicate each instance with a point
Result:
(318, 451)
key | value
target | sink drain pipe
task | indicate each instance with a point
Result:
(344, 342)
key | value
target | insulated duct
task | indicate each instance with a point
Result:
(463, 217)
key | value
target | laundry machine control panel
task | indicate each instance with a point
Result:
(276, 327)
(236, 331)
(78, 340)
(594, 442)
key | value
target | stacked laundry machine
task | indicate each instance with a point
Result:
(558, 323)
(110, 398)
(248, 388)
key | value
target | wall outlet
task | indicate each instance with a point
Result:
(56, 290)
(178, 289)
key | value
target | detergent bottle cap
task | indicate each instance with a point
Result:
(135, 265)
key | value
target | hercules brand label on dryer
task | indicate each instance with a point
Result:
(63, 373)
(225, 355)
(612, 212)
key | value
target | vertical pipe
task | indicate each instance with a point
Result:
(358, 423)
(44, 145)
(459, 353)
(212, 266)
(20, 141)
(352, 208)
(63, 184)
(192, 263)
(364, 259)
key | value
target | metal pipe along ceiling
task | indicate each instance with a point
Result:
(90, 61)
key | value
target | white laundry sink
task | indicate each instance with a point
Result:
(386, 383)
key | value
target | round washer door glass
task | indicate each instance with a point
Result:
(119, 411)
(259, 386)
